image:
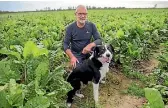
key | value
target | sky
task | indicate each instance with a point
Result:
(64, 4)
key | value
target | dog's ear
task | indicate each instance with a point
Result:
(96, 51)
(111, 48)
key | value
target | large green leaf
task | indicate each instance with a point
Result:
(4, 102)
(38, 102)
(120, 33)
(10, 53)
(30, 48)
(154, 98)
(6, 73)
(15, 94)
(12, 95)
(41, 76)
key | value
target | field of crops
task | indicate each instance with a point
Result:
(32, 61)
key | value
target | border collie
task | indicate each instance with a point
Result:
(93, 69)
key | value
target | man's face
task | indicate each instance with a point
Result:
(81, 15)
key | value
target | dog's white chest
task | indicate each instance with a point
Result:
(104, 69)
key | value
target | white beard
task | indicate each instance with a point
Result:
(82, 21)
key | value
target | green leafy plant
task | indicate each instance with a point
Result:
(154, 98)
(13, 95)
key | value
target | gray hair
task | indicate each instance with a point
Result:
(79, 6)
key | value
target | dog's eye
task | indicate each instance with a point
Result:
(108, 48)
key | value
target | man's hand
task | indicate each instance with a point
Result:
(73, 59)
(88, 48)
(73, 62)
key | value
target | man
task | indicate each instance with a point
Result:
(77, 43)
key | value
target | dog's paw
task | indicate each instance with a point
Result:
(79, 95)
(69, 105)
(84, 86)
(97, 105)
(102, 82)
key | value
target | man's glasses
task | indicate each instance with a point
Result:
(80, 14)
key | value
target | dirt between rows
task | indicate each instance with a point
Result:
(112, 96)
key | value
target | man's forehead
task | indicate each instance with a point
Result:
(81, 9)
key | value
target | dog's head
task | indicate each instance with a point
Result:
(104, 53)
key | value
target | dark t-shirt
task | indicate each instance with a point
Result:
(77, 38)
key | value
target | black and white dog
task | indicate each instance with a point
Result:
(93, 69)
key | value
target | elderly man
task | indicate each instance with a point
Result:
(77, 42)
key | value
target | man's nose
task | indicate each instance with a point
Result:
(82, 15)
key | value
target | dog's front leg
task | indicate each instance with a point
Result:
(96, 92)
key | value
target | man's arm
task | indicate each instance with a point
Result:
(69, 53)
(96, 36)
(66, 46)
(66, 42)
(97, 41)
